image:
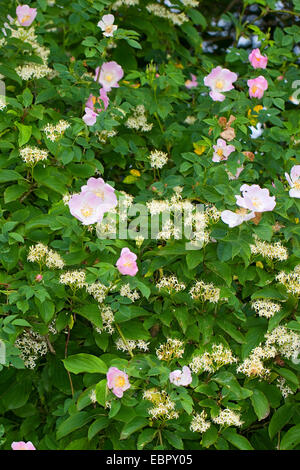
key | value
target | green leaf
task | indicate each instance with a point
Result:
(173, 439)
(101, 390)
(85, 363)
(76, 421)
(9, 175)
(260, 404)
(47, 310)
(97, 426)
(230, 329)
(210, 436)
(24, 133)
(236, 439)
(92, 313)
(146, 436)
(133, 426)
(291, 438)
(280, 418)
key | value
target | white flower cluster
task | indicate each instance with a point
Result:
(32, 346)
(173, 348)
(139, 240)
(41, 254)
(74, 279)
(170, 284)
(199, 423)
(205, 292)
(2, 102)
(253, 366)
(212, 361)
(267, 250)
(265, 307)
(138, 120)
(32, 155)
(54, 132)
(190, 120)
(124, 3)
(287, 342)
(32, 70)
(93, 396)
(97, 290)
(190, 3)
(108, 319)
(283, 387)
(164, 406)
(131, 344)
(159, 10)
(104, 135)
(228, 417)
(125, 291)
(291, 281)
(189, 213)
(158, 159)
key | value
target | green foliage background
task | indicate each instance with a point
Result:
(38, 404)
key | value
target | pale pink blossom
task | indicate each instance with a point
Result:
(178, 377)
(191, 83)
(126, 264)
(219, 81)
(257, 87)
(222, 151)
(294, 181)
(103, 191)
(233, 219)
(117, 381)
(25, 15)
(99, 103)
(109, 75)
(22, 445)
(237, 174)
(39, 277)
(107, 25)
(255, 198)
(257, 60)
(86, 207)
(89, 117)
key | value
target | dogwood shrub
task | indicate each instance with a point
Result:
(150, 255)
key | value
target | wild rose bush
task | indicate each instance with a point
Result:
(114, 109)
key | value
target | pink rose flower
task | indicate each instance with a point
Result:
(255, 198)
(99, 103)
(126, 264)
(191, 83)
(86, 207)
(237, 174)
(90, 116)
(294, 181)
(103, 191)
(222, 151)
(93, 106)
(219, 81)
(22, 445)
(109, 76)
(117, 381)
(39, 277)
(25, 15)
(233, 219)
(107, 25)
(257, 60)
(257, 87)
(178, 377)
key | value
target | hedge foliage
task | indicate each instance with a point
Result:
(224, 304)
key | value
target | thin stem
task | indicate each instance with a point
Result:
(66, 355)
(124, 340)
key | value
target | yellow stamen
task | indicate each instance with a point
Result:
(219, 84)
(108, 77)
(25, 18)
(120, 381)
(87, 211)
